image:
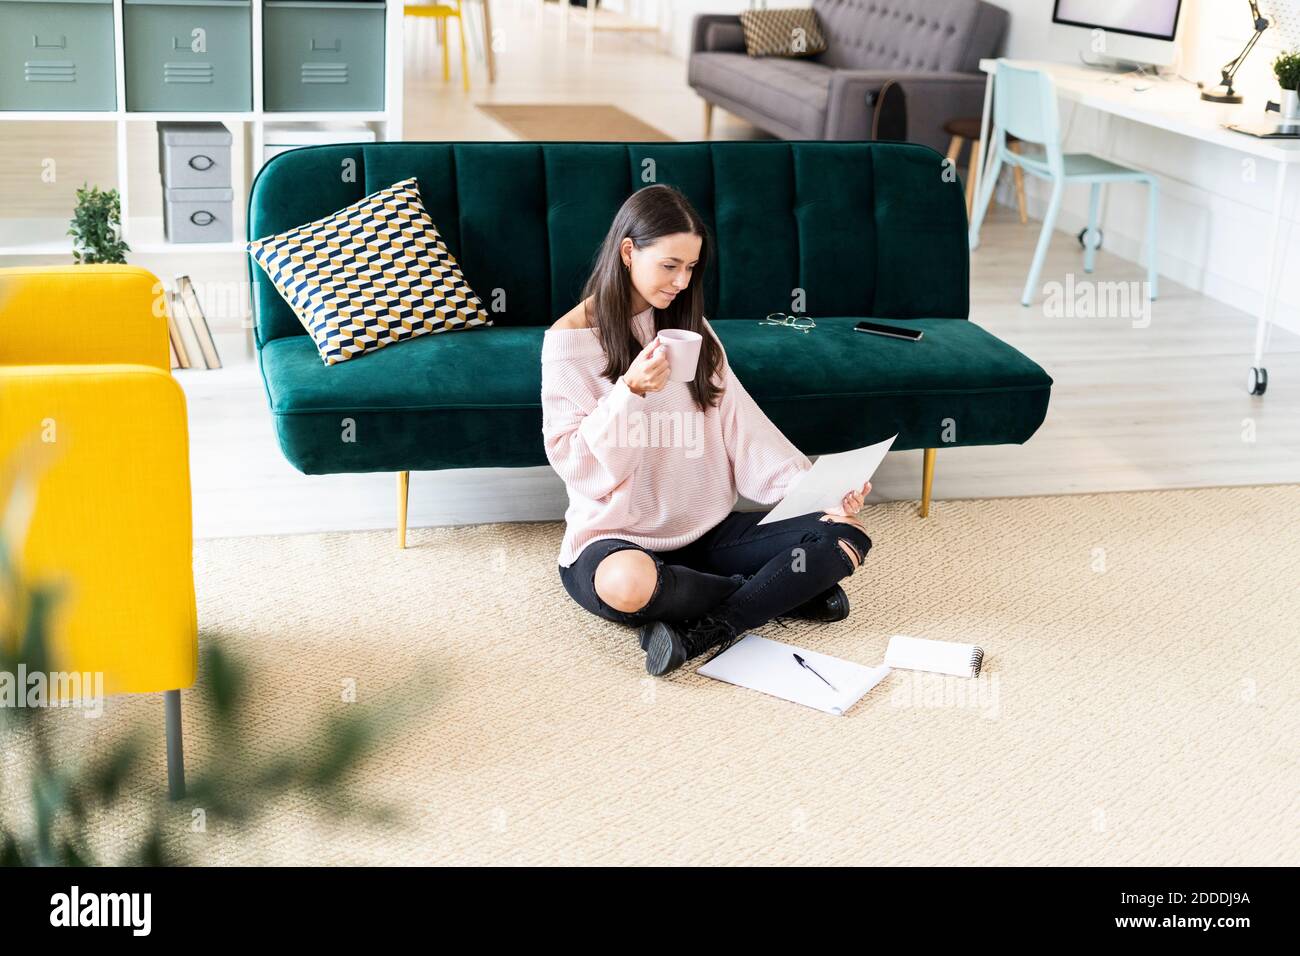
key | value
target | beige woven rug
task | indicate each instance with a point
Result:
(573, 122)
(1140, 702)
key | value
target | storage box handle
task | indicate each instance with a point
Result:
(201, 163)
(61, 45)
(201, 217)
(336, 47)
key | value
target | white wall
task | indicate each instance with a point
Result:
(1216, 207)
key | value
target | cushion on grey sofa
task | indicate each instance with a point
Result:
(789, 31)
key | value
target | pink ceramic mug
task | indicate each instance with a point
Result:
(683, 348)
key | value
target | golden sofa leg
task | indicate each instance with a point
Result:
(927, 481)
(403, 487)
(708, 120)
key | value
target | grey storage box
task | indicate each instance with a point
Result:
(199, 215)
(188, 55)
(193, 155)
(57, 55)
(322, 55)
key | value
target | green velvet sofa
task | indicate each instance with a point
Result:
(865, 230)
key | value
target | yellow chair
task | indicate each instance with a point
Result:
(84, 378)
(442, 12)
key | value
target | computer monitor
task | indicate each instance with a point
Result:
(1123, 31)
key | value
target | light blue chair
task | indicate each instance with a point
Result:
(1024, 105)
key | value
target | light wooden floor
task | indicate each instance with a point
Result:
(1133, 409)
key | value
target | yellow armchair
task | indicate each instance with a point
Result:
(84, 373)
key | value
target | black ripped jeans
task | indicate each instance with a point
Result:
(739, 570)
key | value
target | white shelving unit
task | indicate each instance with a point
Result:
(145, 234)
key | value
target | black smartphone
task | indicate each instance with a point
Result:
(892, 331)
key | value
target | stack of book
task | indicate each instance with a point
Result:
(187, 328)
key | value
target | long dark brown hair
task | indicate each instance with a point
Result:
(648, 215)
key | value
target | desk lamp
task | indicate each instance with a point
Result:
(1224, 93)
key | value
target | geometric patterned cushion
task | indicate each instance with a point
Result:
(782, 32)
(372, 274)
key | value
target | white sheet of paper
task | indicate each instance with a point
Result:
(823, 486)
(769, 666)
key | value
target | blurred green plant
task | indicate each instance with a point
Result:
(74, 798)
(96, 228)
(1287, 70)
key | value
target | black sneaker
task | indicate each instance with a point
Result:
(669, 646)
(828, 607)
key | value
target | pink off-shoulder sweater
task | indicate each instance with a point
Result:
(652, 469)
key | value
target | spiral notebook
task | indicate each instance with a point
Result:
(770, 666)
(941, 657)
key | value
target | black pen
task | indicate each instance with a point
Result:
(806, 666)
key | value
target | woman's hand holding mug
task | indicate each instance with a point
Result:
(649, 370)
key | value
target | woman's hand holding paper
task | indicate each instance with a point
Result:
(851, 503)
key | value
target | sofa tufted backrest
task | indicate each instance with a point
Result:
(871, 229)
(910, 35)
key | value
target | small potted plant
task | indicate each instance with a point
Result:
(1287, 69)
(96, 228)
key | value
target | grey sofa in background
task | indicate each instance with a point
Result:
(932, 48)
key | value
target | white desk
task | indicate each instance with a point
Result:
(1176, 106)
